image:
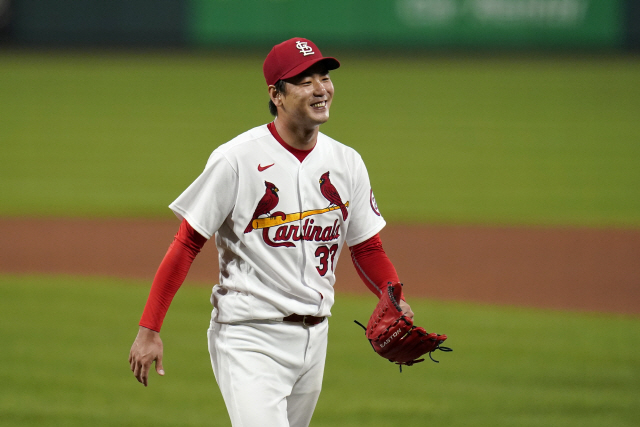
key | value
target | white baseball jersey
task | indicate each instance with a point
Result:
(278, 224)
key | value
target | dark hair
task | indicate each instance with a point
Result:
(280, 88)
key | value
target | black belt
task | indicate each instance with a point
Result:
(305, 320)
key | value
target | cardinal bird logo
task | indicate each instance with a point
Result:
(266, 204)
(331, 194)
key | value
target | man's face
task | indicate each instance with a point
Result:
(308, 97)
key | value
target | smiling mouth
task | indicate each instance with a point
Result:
(319, 104)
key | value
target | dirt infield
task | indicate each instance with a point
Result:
(577, 269)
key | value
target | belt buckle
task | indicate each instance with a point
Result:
(304, 322)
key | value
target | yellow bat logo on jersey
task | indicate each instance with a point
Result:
(276, 220)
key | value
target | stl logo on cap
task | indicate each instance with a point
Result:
(305, 49)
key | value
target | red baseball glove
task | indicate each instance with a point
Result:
(393, 335)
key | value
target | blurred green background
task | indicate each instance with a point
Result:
(490, 112)
(546, 140)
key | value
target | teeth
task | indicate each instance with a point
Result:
(319, 104)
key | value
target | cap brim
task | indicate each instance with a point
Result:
(331, 63)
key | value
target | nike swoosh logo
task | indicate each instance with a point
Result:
(262, 168)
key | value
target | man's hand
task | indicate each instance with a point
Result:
(146, 349)
(406, 309)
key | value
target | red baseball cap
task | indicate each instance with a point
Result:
(291, 58)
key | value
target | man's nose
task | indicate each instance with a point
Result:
(319, 88)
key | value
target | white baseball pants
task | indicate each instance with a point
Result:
(269, 372)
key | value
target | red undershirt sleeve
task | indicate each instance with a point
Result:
(171, 273)
(372, 264)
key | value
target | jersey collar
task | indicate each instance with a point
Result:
(299, 154)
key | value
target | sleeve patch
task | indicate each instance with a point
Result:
(374, 205)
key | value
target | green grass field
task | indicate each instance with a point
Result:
(505, 140)
(65, 343)
(502, 140)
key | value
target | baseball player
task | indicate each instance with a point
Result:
(281, 200)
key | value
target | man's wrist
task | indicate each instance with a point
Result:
(145, 331)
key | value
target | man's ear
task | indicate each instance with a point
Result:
(274, 95)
